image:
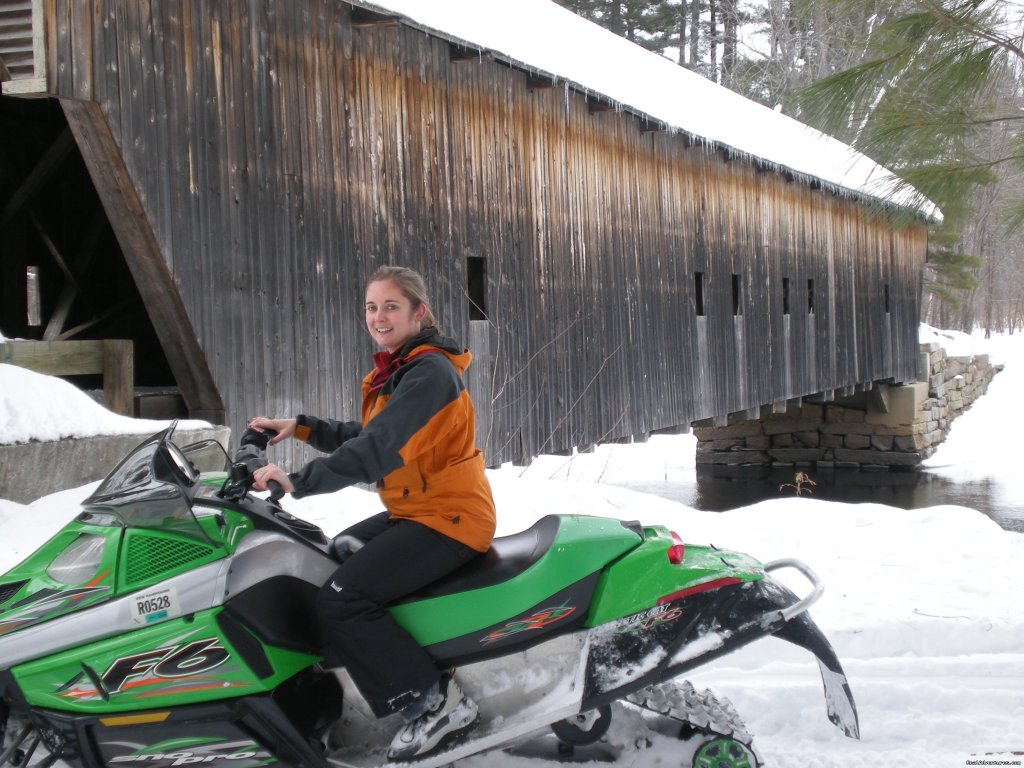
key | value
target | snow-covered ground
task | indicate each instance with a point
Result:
(922, 606)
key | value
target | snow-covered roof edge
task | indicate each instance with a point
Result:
(550, 41)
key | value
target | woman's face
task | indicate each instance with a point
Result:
(390, 317)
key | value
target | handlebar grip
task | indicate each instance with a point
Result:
(257, 437)
(276, 490)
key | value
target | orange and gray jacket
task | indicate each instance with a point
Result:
(416, 442)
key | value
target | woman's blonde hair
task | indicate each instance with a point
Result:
(412, 285)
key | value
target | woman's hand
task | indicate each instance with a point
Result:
(285, 428)
(264, 475)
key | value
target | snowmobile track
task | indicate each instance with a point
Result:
(702, 712)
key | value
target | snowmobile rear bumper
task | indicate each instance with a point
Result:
(767, 607)
(798, 628)
(842, 711)
(707, 625)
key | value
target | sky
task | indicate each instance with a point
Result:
(922, 606)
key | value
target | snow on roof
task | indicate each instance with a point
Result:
(547, 39)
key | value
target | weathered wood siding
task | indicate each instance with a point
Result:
(282, 153)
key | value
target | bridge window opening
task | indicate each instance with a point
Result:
(737, 295)
(698, 292)
(33, 304)
(476, 287)
(810, 296)
(885, 297)
(785, 295)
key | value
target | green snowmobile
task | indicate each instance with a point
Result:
(171, 623)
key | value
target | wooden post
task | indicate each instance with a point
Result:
(119, 376)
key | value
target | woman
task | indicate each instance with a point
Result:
(416, 441)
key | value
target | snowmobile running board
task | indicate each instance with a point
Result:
(502, 718)
(802, 605)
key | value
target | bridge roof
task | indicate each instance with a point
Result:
(550, 41)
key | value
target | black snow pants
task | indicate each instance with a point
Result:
(398, 557)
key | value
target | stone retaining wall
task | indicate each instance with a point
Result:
(886, 427)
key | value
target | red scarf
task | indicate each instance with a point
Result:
(388, 363)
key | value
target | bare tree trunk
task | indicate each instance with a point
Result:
(615, 21)
(694, 34)
(730, 27)
(681, 31)
(713, 39)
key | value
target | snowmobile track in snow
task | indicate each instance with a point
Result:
(702, 712)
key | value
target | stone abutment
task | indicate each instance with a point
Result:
(886, 427)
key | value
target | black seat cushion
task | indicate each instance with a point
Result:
(507, 557)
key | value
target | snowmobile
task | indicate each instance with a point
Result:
(172, 624)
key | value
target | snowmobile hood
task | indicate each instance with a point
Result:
(145, 498)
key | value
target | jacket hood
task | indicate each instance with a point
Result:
(430, 337)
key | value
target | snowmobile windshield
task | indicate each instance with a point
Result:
(207, 456)
(150, 488)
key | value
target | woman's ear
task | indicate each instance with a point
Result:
(421, 312)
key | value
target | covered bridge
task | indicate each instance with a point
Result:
(625, 247)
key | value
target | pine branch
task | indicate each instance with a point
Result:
(973, 29)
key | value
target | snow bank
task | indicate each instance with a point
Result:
(34, 406)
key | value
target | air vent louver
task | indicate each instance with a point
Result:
(152, 556)
(9, 590)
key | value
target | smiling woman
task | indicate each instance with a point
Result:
(416, 442)
(396, 307)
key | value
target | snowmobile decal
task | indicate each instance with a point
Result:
(175, 661)
(645, 620)
(186, 663)
(178, 752)
(536, 620)
(185, 757)
(46, 603)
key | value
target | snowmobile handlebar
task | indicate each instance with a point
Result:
(250, 456)
(801, 605)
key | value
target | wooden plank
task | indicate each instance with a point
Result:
(38, 40)
(55, 358)
(80, 60)
(24, 86)
(156, 287)
(105, 68)
(59, 43)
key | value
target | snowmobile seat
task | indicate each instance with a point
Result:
(507, 557)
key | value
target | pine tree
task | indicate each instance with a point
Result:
(938, 98)
(924, 95)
